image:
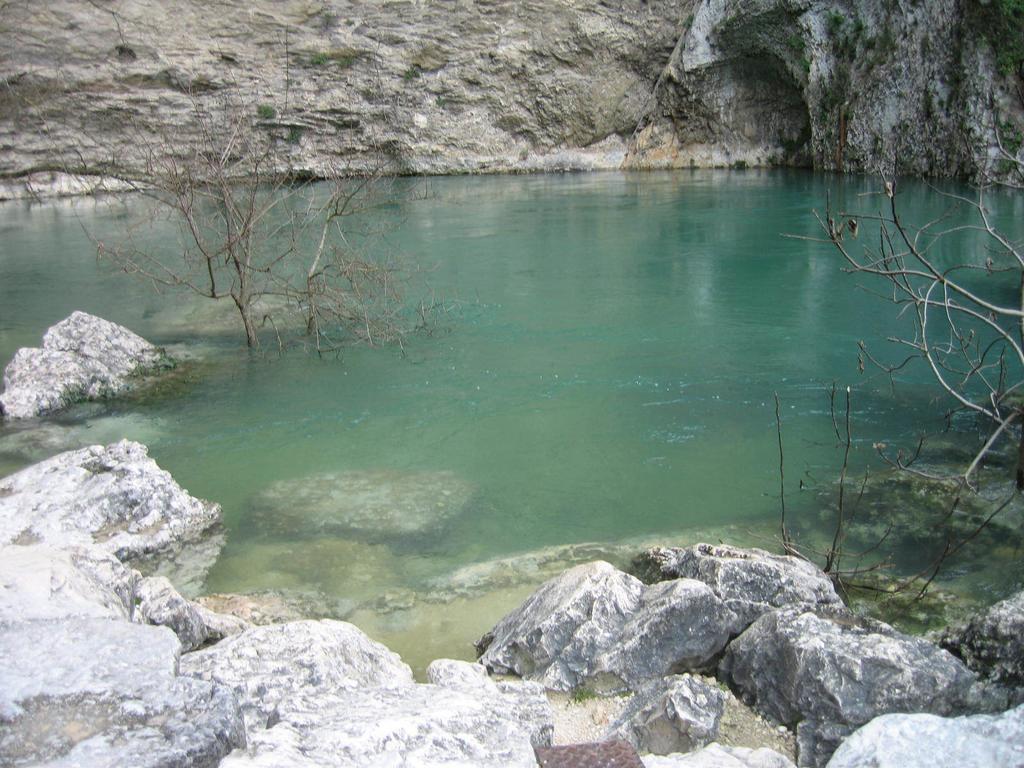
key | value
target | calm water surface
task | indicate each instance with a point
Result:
(608, 376)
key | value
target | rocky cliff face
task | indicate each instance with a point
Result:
(506, 85)
(915, 87)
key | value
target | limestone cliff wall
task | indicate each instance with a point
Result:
(904, 86)
(507, 85)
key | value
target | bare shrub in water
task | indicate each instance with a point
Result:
(966, 325)
(283, 250)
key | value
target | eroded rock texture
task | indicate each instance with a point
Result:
(826, 673)
(83, 357)
(116, 499)
(503, 86)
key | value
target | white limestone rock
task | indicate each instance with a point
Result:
(159, 603)
(268, 665)
(460, 676)
(83, 357)
(679, 625)
(717, 756)
(676, 714)
(114, 498)
(38, 582)
(104, 692)
(930, 741)
(749, 581)
(416, 725)
(525, 701)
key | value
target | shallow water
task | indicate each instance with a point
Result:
(608, 375)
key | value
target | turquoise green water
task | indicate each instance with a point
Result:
(608, 375)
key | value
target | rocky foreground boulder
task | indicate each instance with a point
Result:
(598, 626)
(320, 693)
(992, 642)
(595, 625)
(157, 602)
(82, 684)
(925, 741)
(826, 673)
(265, 666)
(83, 357)
(117, 500)
(749, 581)
(676, 714)
(717, 756)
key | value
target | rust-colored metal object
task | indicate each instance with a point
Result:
(604, 754)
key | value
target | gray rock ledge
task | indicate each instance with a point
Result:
(113, 498)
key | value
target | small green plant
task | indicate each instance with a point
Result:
(265, 112)
(796, 43)
(834, 22)
(411, 73)
(337, 57)
(1010, 137)
(583, 694)
(1001, 23)
(294, 134)
(689, 21)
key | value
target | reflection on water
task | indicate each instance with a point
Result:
(609, 376)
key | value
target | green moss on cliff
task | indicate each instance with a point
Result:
(1001, 24)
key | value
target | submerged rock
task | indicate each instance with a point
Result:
(992, 642)
(676, 714)
(83, 357)
(265, 607)
(266, 666)
(827, 673)
(310, 573)
(32, 441)
(105, 692)
(114, 498)
(924, 741)
(374, 504)
(749, 581)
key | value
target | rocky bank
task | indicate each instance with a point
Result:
(928, 87)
